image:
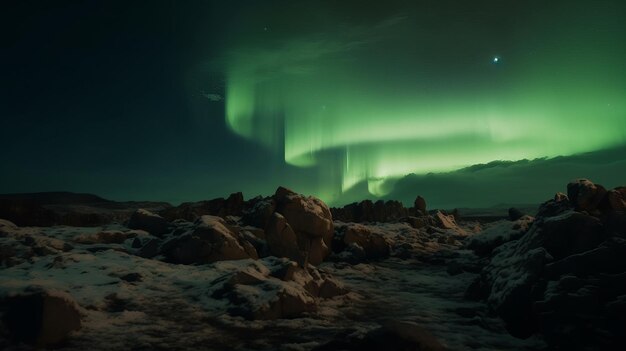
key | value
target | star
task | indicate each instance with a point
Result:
(496, 59)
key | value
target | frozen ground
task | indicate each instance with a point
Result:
(130, 302)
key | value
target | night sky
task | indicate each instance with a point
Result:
(189, 100)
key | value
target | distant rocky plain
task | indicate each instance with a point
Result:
(286, 272)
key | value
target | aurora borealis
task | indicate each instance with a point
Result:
(424, 91)
(182, 101)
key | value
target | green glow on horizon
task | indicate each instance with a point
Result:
(314, 97)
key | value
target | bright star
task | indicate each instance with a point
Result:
(496, 59)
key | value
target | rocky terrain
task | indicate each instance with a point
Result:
(287, 272)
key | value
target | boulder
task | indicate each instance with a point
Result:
(210, 240)
(43, 318)
(309, 219)
(148, 221)
(282, 241)
(275, 288)
(420, 205)
(260, 213)
(570, 233)
(374, 245)
(307, 215)
(585, 195)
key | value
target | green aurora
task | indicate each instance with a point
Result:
(377, 102)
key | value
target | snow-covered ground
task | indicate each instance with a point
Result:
(130, 302)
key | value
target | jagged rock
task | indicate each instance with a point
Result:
(585, 195)
(282, 241)
(561, 275)
(260, 213)
(276, 288)
(307, 215)
(310, 219)
(43, 318)
(148, 221)
(210, 240)
(374, 245)
(570, 233)
(497, 234)
(419, 222)
(420, 205)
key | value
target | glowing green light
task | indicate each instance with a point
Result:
(318, 97)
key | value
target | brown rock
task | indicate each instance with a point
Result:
(43, 318)
(282, 241)
(374, 245)
(148, 221)
(585, 195)
(420, 204)
(211, 240)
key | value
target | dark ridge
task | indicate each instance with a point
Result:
(56, 198)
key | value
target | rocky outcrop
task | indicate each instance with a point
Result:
(420, 205)
(40, 317)
(209, 240)
(296, 226)
(565, 275)
(584, 195)
(360, 243)
(152, 223)
(275, 288)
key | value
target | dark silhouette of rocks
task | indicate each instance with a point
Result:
(209, 240)
(565, 277)
(42, 318)
(420, 205)
(65, 208)
(152, 223)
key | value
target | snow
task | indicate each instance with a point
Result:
(174, 307)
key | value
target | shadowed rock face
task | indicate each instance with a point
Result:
(64, 208)
(564, 276)
(209, 241)
(42, 318)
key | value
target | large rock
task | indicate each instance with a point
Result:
(585, 195)
(42, 318)
(565, 277)
(373, 244)
(259, 214)
(148, 221)
(275, 288)
(210, 240)
(420, 205)
(282, 241)
(310, 220)
(307, 215)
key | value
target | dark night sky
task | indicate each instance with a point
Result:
(188, 100)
